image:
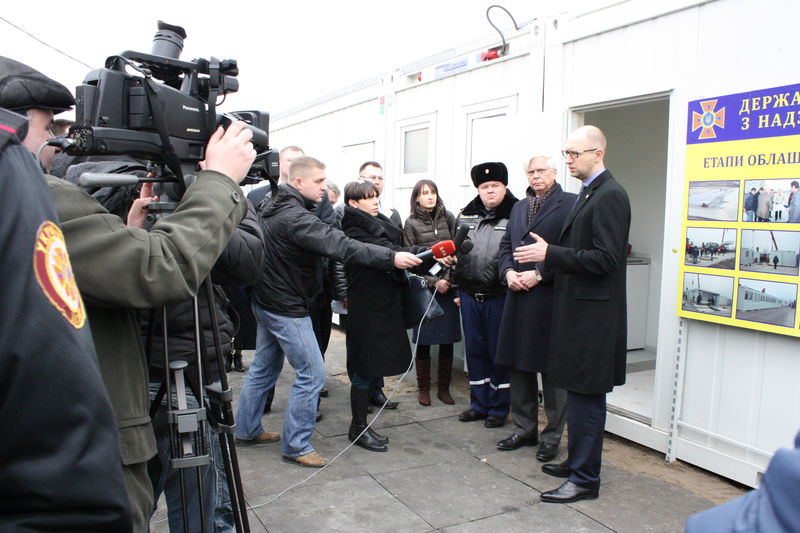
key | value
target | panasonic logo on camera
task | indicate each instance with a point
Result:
(187, 108)
(192, 130)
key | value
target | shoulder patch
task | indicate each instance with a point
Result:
(468, 216)
(55, 276)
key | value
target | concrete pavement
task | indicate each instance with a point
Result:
(439, 474)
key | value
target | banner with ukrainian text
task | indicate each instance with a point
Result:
(741, 221)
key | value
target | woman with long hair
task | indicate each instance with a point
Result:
(428, 224)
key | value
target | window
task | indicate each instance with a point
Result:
(416, 138)
(415, 151)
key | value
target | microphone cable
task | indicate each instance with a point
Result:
(369, 425)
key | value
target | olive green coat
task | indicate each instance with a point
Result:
(120, 269)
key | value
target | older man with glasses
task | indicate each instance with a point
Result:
(524, 338)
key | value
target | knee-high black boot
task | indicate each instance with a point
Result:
(359, 401)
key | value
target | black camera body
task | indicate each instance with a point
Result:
(165, 108)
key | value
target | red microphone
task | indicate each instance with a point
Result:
(439, 250)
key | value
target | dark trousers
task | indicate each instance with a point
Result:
(321, 320)
(586, 417)
(489, 382)
(525, 406)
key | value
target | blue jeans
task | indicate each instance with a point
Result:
(280, 336)
(216, 500)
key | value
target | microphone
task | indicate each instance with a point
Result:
(458, 239)
(466, 247)
(438, 250)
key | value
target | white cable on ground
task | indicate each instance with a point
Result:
(369, 425)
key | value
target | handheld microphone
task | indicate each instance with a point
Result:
(466, 247)
(438, 250)
(458, 239)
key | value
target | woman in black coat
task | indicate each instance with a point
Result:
(428, 224)
(377, 343)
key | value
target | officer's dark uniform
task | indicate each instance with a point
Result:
(59, 454)
(482, 300)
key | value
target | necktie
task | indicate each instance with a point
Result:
(583, 190)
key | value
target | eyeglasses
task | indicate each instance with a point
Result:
(575, 154)
(535, 171)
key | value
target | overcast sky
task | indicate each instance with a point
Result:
(786, 240)
(784, 291)
(717, 284)
(288, 52)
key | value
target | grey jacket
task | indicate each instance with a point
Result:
(476, 272)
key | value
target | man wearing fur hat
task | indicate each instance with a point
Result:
(482, 296)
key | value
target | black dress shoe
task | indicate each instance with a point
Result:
(494, 421)
(569, 492)
(379, 398)
(471, 415)
(556, 470)
(366, 440)
(515, 441)
(547, 452)
(318, 417)
(323, 392)
(377, 436)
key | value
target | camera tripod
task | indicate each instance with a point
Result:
(188, 426)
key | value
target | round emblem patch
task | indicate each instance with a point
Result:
(54, 274)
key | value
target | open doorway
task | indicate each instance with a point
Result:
(637, 134)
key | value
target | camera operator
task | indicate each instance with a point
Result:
(59, 455)
(120, 269)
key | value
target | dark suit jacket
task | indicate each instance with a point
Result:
(525, 329)
(589, 333)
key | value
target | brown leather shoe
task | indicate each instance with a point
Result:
(264, 438)
(310, 460)
(445, 397)
(424, 397)
(424, 381)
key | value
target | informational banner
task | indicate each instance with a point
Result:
(741, 221)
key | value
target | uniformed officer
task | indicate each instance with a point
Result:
(59, 454)
(482, 296)
(120, 269)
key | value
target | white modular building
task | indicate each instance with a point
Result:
(720, 397)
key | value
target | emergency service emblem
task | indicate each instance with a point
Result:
(55, 276)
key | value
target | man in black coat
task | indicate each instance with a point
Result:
(525, 328)
(589, 332)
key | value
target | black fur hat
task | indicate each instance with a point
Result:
(489, 172)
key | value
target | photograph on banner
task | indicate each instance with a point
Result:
(707, 294)
(711, 247)
(770, 200)
(770, 251)
(714, 200)
(767, 302)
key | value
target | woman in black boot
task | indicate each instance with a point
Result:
(377, 343)
(428, 224)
